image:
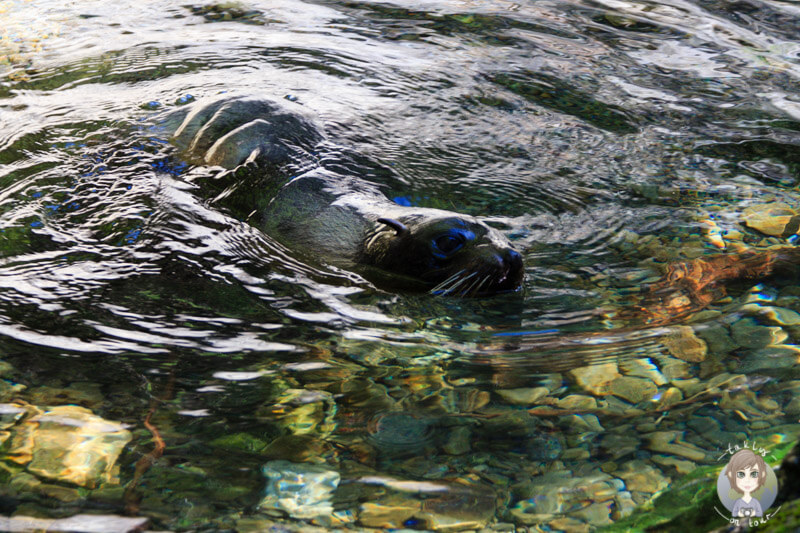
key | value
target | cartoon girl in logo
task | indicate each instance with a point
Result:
(746, 473)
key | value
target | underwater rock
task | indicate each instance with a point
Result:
(670, 442)
(769, 358)
(239, 442)
(595, 379)
(673, 368)
(572, 525)
(690, 386)
(585, 423)
(747, 404)
(392, 512)
(11, 413)
(634, 390)
(575, 454)
(300, 412)
(577, 402)
(362, 394)
(9, 390)
(750, 334)
(68, 444)
(82, 523)
(792, 408)
(562, 493)
(640, 476)
(685, 345)
(401, 433)
(595, 514)
(443, 506)
(773, 315)
(85, 394)
(717, 339)
(681, 466)
(543, 447)
(619, 444)
(668, 398)
(300, 490)
(642, 368)
(528, 396)
(297, 449)
(459, 508)
(469, 400)
(776, 219)
(458, 441)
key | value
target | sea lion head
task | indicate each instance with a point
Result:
(447, 253)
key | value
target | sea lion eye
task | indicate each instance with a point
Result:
(448, 243)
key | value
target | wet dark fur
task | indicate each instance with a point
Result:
(345, 220)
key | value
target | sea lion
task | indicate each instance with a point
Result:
(344, 219)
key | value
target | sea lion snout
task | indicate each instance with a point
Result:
(514, 271)
(452, 254)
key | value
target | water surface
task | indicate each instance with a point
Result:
(606, 139)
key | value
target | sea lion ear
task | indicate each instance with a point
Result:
(398, 226)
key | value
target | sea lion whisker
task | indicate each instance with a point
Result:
(461, 281)
(486, 278)
(472, 285)
(448, 280)
(454, 285)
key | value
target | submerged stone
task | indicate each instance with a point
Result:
(9, 389)
(300, 490)
(561, 493)
(639, 476)
(685, 345)
(717, 338)
(577, 402)
(774, 315)
(433, 506)
(526, 396)
(777, 219)
(458, 442)
(750, 334)
(770, 358)
(69, 444)
(399, 433)
(668, 398)
(82, 523)
(681, 466)
(673, 368)
(670, 442)
(543, 447)
(301, 412)
(635, 390)
(643, 368)
(297, 448)
(595, 379)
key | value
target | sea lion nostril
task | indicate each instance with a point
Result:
(513, 259)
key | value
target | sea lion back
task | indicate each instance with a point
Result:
(230, 132)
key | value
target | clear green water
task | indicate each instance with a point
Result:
(602, 137)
